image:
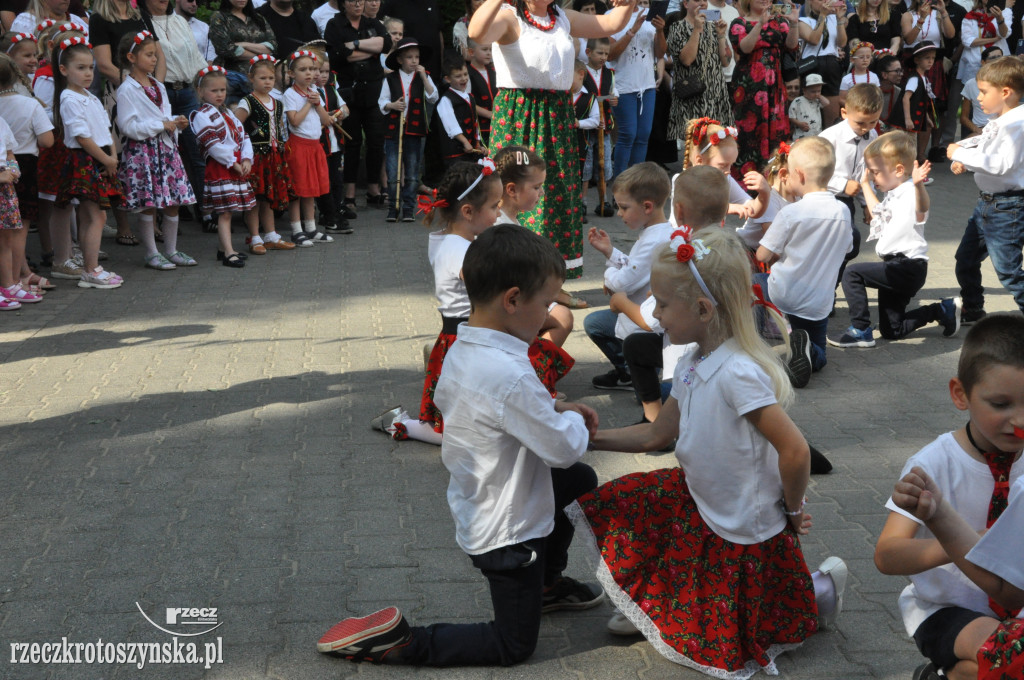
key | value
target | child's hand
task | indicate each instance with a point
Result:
(958, 168)
(238, 170)
(918, 494)
(803, 125)
(920, 172)
(467, 147)
(421, 70)
(614, 101)
(755, 181)
(110, 166)
(852, 187)
(865, 178)
(615, 303)
(246, 168)
(6, 176)
(951, 149)
(607, 291)
(170, 126)
(600, 240)
(590, 418)
(181, 122)
(398, 105)
(801, 523)
(313, 97)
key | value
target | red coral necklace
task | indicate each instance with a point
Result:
(539, 26)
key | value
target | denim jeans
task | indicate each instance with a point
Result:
(634, 117)
(817, 330)
(516, 575)
(600, 327)
(590, 165)
(994, 230)
(412, 160)
(183, 102)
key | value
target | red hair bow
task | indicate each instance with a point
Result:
(759, 299)
(426, 204)
(784, 148)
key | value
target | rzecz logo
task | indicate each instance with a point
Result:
(186, 616)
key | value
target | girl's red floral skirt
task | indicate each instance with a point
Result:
(82, 178)
(723, 608)
(1002, 655)
(270, 179)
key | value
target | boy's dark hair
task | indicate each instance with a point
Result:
(1003, 72)
(453, 61)
(509, 256)
(457, 179)
(996, 340)
(645, 182)
(987, 52)
(599, 6)
(595, 42)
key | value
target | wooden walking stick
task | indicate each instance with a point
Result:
(398, 174)
(601, 187)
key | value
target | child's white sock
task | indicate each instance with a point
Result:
(824, 593)
(271, 237)
(170, 228)
(147, 234)
(309, 226)
(254, 240)
(296, 227)
(420, 431)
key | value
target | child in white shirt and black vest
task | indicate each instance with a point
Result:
(457, 112)
(585, 105)
(483, 84)
(403, 98)
(898, 224)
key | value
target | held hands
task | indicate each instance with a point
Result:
(170, 126)
(181, 122)
(600, 240)
(920, 172)
(958, 168)
(918, 494)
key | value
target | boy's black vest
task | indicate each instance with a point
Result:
(604, 90)
(484, 90)
(415, 111)
(333, 103)
(465, 114)
(257, 125)
(582, 104)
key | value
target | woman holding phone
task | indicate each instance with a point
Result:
(759, 37)
(874, 23)
(700, 48)
(823, 32)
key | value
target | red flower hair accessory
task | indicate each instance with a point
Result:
(20, 38)
(784, 148)
(716, 138)
(71, 26)
(68, 43)
(203, 72)
(700, 129)
(861, 45)
(487, 168)
(884, 52)
(45, 24)
(139, 38)
(426, 204)
(688, 252)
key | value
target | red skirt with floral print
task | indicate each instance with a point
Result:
(51, 161)
(550, 361)
(720, 607)
(82, 178)
(270, 179)
(1002, 655)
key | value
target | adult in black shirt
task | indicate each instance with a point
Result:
(874, 23)
(422, 19)
(292, 27)
(355, 44)
(10, 9)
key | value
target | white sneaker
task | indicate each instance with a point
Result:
(387, 419)
(620, 625)
(835, 568)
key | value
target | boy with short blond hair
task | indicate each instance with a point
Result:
(641, 192)
(996, 157)
(897, 223)
(805, 246)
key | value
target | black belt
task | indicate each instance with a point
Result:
(1002, 194)
(450, 324)
(178, 86)
(894, 256)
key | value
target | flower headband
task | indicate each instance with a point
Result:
(299, 54)
(260, 58)
(20, 38)
(68, 43)
(884, 52)
(485, 171)
(861, 45)
(716, 138)
(208, 71)
(69, 26)
(686, 251)
(139, 38)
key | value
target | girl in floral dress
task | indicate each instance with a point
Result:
(758, 92)
(151, 170)
(704, 559)
(534, 53)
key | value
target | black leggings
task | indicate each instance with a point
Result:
(643, 357)
(364, 119)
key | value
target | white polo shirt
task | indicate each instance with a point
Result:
(894, 223)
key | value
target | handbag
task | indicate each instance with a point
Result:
(810, 64)
(686, 85)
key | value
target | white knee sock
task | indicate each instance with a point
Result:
(170, 227)
(824, 593)
(147, 234)
(420, 431)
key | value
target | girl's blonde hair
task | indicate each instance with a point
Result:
(697, 132)
(776, 163)
(883, 11)
(725, 271)
(54, 35)
(6, 61)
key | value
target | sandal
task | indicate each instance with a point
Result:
(41, 281)
(8, 305)
(158, 261)
(301, 240)
(569, 300)
(127, 240)
(320, 237)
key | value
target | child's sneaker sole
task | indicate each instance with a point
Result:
(353, 631)
(799, 365)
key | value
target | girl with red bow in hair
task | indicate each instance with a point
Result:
(467, 204)
(704, 559)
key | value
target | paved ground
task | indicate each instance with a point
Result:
(199, 438)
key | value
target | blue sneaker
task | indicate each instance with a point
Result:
(854, 337)
(950, 316)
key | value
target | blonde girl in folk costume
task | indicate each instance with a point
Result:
(89, 174)
(32, 129)
(708, 142)
(306, 158)
(263, 117)
(228, 153)
(23, 49)
(534, 50)
(704, 559)
(151, 171)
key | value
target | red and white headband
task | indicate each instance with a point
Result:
(261, 58)
(68, 43)
(207, 71)
(716, 138)
(140, 38)
(299, 54)
(487, 167)
(20, 38)
(686, 251)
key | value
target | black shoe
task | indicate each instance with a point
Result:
(241, 255)
(604, 210)
(568, 593)
(378, 201)
(209, 223)
(613, 380)
(340, 228)
(392, 215)
(799, 366)
(926, 672)
(937, 155)
(233, 260)
(971, 315)
(369, 638)
(348, 209)
(820, 465)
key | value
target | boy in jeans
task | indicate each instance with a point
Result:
(805, 247)
(513, 455)
(641, 192)
(973, 469)
(898, 225)
(996, 157)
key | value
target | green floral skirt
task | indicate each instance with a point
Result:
(544, 121)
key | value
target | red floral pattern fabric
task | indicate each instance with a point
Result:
(1002, 655)
(758, 94)
(723, 608)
